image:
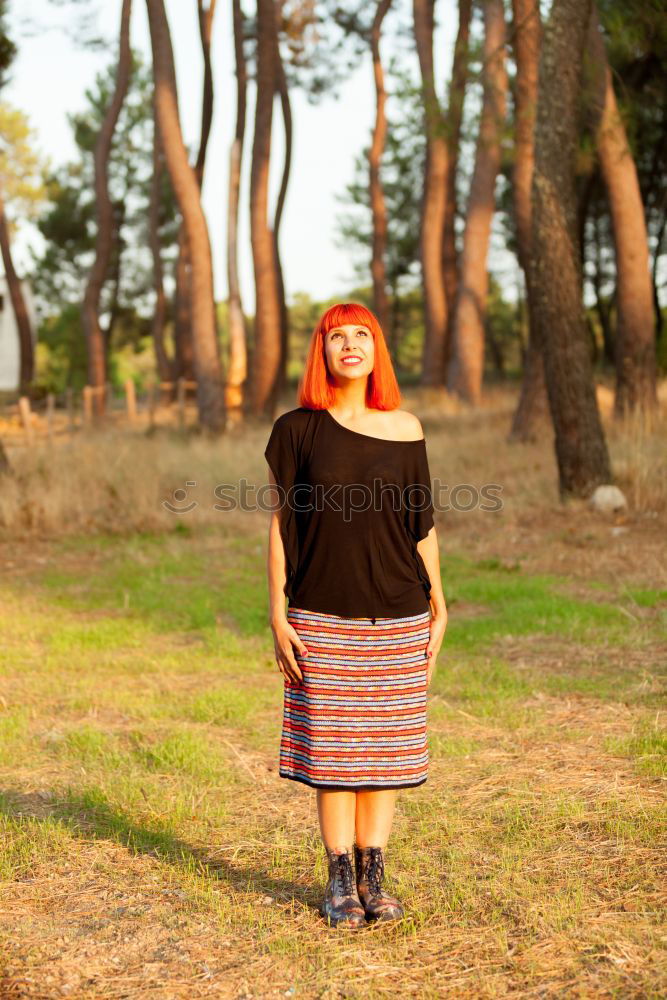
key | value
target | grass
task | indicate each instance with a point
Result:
(647, 746)
(149, 847)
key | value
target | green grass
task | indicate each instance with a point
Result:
(139, 731)
(157, 584)
(647, 598)
(522, 605)
(647, 746)
(160, 581)
(14, 729)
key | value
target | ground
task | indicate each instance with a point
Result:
(148, 846)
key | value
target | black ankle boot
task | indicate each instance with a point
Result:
(341, 903)
(378, 904)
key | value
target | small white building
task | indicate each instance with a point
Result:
(10, 349)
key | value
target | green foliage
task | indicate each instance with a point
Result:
(401, 172)
(503, 331)
(21, 166)
(636, 41)
(68, 227)
(61, 352)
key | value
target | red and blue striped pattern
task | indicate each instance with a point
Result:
(358, 718)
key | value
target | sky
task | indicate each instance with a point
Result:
(51, 73)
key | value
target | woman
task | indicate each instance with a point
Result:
(353, 547)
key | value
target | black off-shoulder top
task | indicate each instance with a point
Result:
(352, 508)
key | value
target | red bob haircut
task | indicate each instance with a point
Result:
(317, 390)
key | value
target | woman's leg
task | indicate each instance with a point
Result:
(336, 811)
(375, 812)
(341, 902)
(374, 816)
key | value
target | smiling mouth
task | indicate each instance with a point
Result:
(351, 360)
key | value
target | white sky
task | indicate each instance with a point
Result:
(51, 73)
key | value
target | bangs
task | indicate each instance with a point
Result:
(348, 313)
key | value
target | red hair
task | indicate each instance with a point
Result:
(317, 390)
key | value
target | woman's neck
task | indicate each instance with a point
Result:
(350, 400)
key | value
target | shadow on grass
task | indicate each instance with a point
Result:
(89, 816)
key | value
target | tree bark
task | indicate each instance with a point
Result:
(267, 342)
(114, 278)
(603, 309)
(450, 257)
(238, 357)
(5, 467)
(433, 203)
(378, 207)
(657, 253)
(464, 375)
(555, 267)
(184, 364)
(283, 91)
(106, 230)
(533, 406)
(183, 291)
(210, 395)
(635, 332)
(205, 16)
(162, 360)
(23, 324)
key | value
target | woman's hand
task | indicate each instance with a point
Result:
(284, 637)
(438, 627)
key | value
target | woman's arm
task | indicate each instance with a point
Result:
(430, 552)
(277, 563)
(284, 634)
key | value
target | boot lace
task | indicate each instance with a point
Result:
(344, 876)
(375, 872)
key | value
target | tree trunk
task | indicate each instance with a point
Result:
(5, 467)
(283, 90)
(533, 406)
(95, 341)
(433, 202)
(238, 360)
(378, 207)
(183, 291)
(184, 364)
(603, 309)
(555, 267)
(162, 361)
(457, 91)
(206, 16)
(465, 372)
(657, 253)
(23, 325)
(267, 342)
(210, 395)
(635, 333)
(115, 264)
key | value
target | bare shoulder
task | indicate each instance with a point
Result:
(406, 426)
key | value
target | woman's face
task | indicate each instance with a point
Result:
(350, 351)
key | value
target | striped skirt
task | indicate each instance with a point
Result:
(358, 717)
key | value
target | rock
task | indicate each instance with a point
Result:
(607, 499)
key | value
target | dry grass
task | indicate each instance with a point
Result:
(116, 480)
(148, 846)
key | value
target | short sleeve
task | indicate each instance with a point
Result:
(417, 493)
(282, 455)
